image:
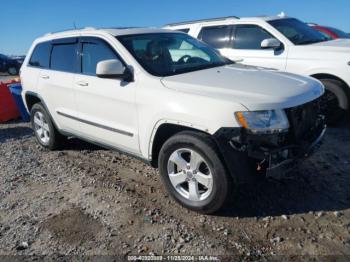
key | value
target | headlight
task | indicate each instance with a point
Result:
(269, 121)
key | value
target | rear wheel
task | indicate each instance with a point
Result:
(334, 102)
(193, 172)
(12, 70)
(45, 132)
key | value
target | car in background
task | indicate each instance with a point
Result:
(330, 32)
(18, 58)
(282, 43)
(9, 65)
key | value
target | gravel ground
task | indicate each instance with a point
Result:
(85, 200)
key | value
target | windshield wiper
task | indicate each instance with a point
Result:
(199, 67)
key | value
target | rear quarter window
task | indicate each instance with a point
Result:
(41, 55)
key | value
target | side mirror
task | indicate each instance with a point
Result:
(271, 43)
(112, 68)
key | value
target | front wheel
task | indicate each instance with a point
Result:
(193, 172)
(334, 102)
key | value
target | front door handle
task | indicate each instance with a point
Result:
(45, 77)
(82, 83)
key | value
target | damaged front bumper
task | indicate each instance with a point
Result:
(274, 155)
(279, 167)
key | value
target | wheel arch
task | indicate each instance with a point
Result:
(345, 87)
(31, 98)
(162, 132)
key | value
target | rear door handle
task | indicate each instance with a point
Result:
(82, 83)
(45, 77)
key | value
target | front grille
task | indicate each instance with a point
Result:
(305, 121)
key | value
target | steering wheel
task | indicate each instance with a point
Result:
(182, 59)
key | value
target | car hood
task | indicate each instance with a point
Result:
(253, 87)
(334, 50)
(336, 44)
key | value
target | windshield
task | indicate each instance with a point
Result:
(165, 54)
(298, 32)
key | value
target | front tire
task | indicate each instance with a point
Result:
(194, 173)
(45, 132)
(334, 102)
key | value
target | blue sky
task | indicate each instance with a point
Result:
(22, 21)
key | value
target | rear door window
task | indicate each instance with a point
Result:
(41, 55)
(64, 57)
(216, 36)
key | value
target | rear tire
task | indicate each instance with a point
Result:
(45, 132)
(194, 173)
(335, 101)
(12, 71)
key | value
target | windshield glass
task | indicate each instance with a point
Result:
(298, 32)
(165, 54)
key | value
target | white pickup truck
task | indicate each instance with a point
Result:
(282, 43)
(174, 102)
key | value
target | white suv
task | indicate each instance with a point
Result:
(167, 98)
(285, 44)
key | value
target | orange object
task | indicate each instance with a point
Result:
(241, 119)
(8, 108)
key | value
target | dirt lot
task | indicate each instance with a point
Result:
(85, 200)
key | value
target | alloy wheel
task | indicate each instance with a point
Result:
(190, 174)
(41, 127)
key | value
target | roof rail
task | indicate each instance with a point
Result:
(119, 27)
(203, 20)
(70, 29)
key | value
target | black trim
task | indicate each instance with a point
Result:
(67, 40)
(116, 149)
(97, 125)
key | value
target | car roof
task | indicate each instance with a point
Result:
(118, 31)
(231, 19)
(264, 18)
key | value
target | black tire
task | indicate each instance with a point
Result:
(335, 102)
(222, 186)
(12, 70)
(55, 138)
